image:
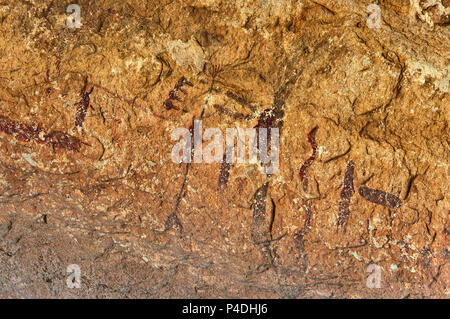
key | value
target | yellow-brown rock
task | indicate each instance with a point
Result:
(106, 195)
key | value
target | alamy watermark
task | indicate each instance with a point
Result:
(374, 279)
(74, 278)
(374, 19)
(74, 20)
(190, 146)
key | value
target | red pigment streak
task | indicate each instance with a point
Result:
(36, 134)
(224, 171)
(269, 118)
(346, 194)
(308, 162)
(168, 103)
(82, 107)
(380, 197)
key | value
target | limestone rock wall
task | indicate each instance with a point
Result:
(86, 175)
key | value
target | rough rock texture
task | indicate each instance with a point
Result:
(87, 178)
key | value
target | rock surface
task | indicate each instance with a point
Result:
(86, 175)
